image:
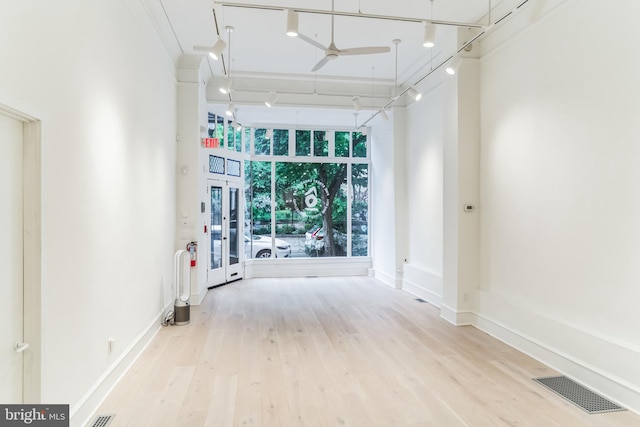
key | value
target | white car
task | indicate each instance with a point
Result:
(257, 246)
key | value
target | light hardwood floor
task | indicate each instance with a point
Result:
(334, 352)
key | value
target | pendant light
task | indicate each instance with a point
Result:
(429, 30)
(429, 35)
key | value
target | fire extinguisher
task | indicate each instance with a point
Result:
(192, 248)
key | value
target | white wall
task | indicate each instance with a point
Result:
(423, 159)
(99, 80)
(382, 190)
(560, 196)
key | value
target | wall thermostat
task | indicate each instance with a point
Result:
(469, 208)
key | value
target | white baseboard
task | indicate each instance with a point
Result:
(604, 365)
(302, 267)
(385, 278)
(423, 284)
(196, 299)
(457, 318)
(82, 412)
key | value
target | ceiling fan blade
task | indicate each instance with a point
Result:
(311, 41)
(320, 64)
(365, 50)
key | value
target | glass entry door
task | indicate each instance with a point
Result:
(225, 232)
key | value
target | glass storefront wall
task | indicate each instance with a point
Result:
(306, 191)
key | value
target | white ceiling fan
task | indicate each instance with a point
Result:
(332, 52)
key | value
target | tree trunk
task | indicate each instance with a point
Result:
(327, 200)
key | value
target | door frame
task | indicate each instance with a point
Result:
(229, 272)
(32, 251)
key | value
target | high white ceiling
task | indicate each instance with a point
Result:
(261, 58)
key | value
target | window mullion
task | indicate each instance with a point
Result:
(273, 208)
(349, 208)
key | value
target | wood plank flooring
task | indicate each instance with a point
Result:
(334, 352)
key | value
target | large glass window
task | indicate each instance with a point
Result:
(316, 214)
(360, 210)
(320, 144)
(303, 143)
(280, 142)
(258, 197)
(216, 128)
(311, 198)
(247, 140)
(238, 138)
(342, 144)
(231, 136)
(262, 142)
(359, 145)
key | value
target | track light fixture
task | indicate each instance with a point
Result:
(230, 109)
(429, 35)
(217, 49)
(225, 88)
(214, 52)
(236, 126)
(384, 116)
(452, 66)
(271, 100)
(357, 105)
(414, 94)
(292, 23)
(268, 134)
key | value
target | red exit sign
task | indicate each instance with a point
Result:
(211, 142)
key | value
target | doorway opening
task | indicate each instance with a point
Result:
(20, 147)
(226, 245)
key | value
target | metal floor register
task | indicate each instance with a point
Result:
(580, 396)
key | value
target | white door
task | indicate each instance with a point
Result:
(11, 260)
(227, 240)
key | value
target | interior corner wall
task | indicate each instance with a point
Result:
(101, 83)
(423, 160)
(383, 236)
(560, 193)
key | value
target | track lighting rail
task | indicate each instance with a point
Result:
(351, 14)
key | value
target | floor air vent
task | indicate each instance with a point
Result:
(420, 300)
(578, 395)
(102, 421)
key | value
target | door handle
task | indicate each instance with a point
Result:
(21, 346)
